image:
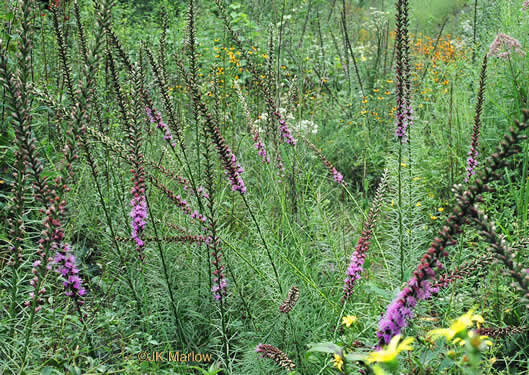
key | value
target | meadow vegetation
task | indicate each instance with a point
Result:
(264, 187)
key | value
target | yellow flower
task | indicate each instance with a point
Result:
(461, 324)
(338, 362)
(418, 204)
(348, 320)
(440, 209)
(433, 217)
(403, 165)
(492, 360)
(390, 352)
(479, 342)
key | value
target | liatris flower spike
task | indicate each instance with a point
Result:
(472, 160)
(357, 259)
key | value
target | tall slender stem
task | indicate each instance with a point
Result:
(264, 243)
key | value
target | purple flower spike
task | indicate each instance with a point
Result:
(355, 269)
(472, 160)
(157, 119)
(285, 131)
(260, 147)
(66, 267)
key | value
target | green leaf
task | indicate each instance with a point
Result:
(356, 357)
(326, 347)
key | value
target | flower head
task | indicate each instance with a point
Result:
(389, 353)
(348, 320)
(508, 43)
(338, 362)
(459, 326)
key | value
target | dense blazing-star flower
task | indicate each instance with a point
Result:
(336, 176)
(67, 267)
(258, 142)
(472, 160)
(220, 284)
(404, 112)
(400, 311)
(156, 118)
(355, 269)
(284, 130)
(525, 5)
(138, 216)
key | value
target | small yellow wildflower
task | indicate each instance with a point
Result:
(348, 320)
(403, 165)
(479, 342)
(461, 324)
(338, 362)
(440, 209)
(492, 360)
(265, 56)
(415, 179)
(418, 204)
(390, 352)
(433, 217)
(389, 81)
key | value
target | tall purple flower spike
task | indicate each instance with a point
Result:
(67, 268)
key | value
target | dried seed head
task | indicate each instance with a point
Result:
(290, 301)
(276, 355)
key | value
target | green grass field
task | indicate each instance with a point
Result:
(264, 187)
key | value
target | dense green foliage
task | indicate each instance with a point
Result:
(83, 115)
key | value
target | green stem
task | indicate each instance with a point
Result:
(264, 242)
(166, 275)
